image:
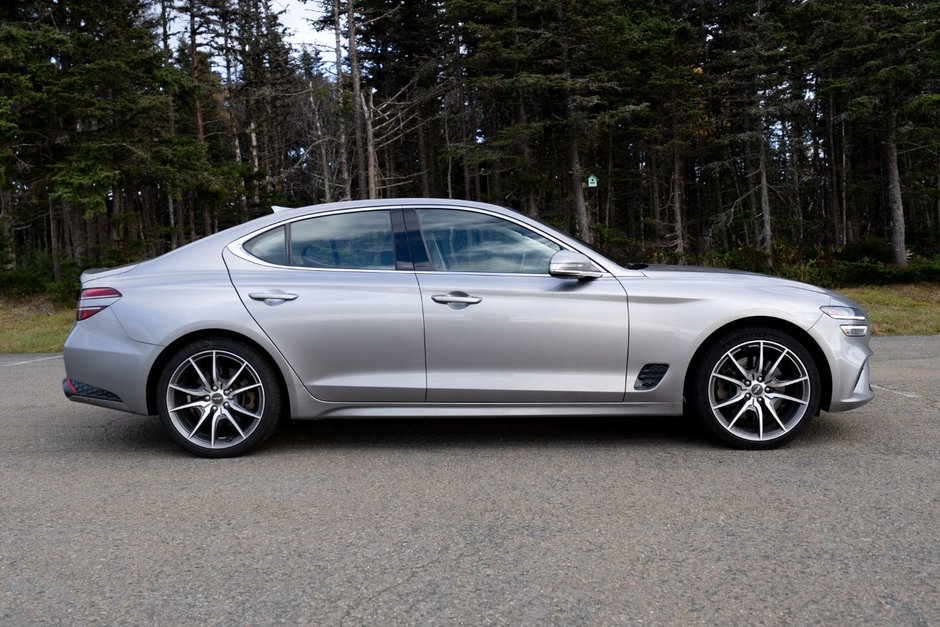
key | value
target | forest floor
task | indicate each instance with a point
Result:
(36, 325)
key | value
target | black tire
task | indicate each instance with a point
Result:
(219, 397)
(737, 397)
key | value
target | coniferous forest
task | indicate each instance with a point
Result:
(798, 137)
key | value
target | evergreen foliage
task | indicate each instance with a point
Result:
(799, 137)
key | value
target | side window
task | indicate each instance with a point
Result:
(465, 241)
(270, 246)
(361, 240)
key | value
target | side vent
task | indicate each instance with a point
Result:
(650, 376)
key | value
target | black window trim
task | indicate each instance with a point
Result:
(417, 247)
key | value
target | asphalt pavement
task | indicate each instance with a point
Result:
(515, 521)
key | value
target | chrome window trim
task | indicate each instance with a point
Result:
(236, 247)
(477, 273)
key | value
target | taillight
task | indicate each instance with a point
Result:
(95, 299)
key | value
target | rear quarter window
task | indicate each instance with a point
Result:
(270, 246)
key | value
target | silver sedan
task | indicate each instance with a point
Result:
(422, 307)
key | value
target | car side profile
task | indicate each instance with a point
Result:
(428, 307)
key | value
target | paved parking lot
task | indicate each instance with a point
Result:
(473, 521)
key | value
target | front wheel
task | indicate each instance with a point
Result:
(755, 388)
(218, 398)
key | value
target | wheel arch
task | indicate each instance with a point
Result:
(819, 357)
(203, 334)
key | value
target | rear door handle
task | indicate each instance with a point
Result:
(456, 298)
(272, 295)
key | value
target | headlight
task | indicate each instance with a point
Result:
(857, 321)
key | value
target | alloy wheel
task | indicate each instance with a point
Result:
(759, 390)
(215, 399)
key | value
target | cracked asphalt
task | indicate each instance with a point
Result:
(639, 520)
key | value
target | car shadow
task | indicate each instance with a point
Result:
(487, 432)
(135, 434)
(130, 433)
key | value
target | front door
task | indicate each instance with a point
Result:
(500, 329)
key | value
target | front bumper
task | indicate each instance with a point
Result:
(849, 361)
(861, 393)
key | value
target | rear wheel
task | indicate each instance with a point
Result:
(755, 388)
(219, 398)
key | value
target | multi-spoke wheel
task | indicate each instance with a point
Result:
(755, 388)
(218, 398)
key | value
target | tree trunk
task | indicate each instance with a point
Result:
(194, 66)
(92, 237)
(321, 142)
(450, 159)
(580, 207)
(191, 210)
(103, 236)
(54, 241)
(255, 161)
(116, 219)
(532, 207)
(719, 208)
(423, 163)
(677, 191)
(843, 201)
(609, 187)
(373, 160)
(895, 205)
(796, 152)
(362, 174)
(79, 235)
(197, 112)
(766, 232)
(206, 220)
(338, 93)
(233, 126)
(937, 201)
(654, 197)
(464, 131)
(837, 159)
(175, 234)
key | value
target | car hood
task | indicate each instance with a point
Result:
(692, 273)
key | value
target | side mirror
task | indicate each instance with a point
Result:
(567, 264)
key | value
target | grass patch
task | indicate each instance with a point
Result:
(33, 326)
(910, 309)
(38, 326)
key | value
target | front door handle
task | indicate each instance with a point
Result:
(272, 295)
(456, 298)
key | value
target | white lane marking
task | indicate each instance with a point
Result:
(907, 394)
(31, 361)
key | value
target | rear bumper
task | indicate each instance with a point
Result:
(105, 367)
(90, 395)
(83, 390)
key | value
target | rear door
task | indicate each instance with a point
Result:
(340, 300)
